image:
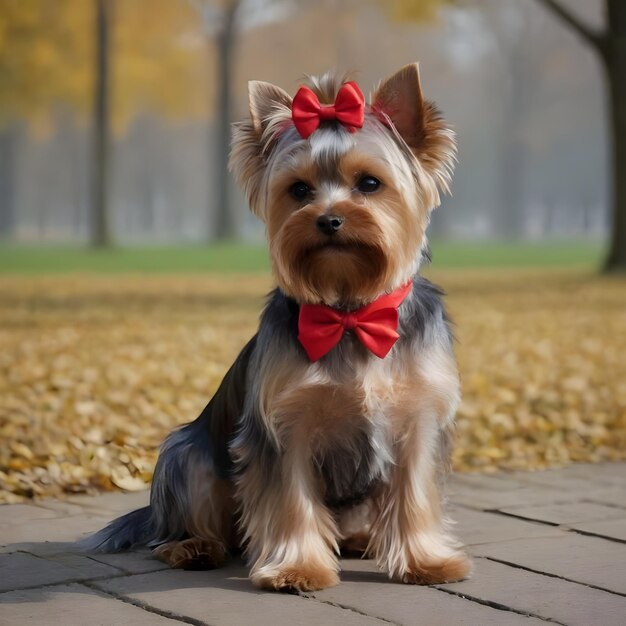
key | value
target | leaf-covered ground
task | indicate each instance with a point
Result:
(96, 370)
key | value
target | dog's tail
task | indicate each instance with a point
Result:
(133, 530)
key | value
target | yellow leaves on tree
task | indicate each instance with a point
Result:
(412, 10)
(159, 59)
(47, 59)
(43, 54)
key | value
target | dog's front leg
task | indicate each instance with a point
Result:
(290, 534)
(409, 538)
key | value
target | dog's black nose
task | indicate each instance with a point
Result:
(329, 224)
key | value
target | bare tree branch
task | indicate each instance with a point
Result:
(595, 38)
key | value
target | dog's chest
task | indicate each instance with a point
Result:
(351, 468)
(346, 422)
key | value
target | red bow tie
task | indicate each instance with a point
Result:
(349, 109)
(322, 327)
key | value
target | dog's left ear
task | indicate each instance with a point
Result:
(400, 97)
(418, 122)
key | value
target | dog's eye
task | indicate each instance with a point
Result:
(368, 184)
(300, 191)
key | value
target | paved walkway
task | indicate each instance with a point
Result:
(548, 547)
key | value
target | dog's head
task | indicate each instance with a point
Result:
(346, 208)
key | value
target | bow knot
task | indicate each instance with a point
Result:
(375, 325)
(348, 109)
(350, 321)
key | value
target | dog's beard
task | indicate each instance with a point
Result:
(339, 274)
(342, 274)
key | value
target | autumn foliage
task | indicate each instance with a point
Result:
(94, 372)
(47, 50)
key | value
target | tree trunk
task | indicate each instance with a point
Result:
(225, 223)
(610, 44)
(509, 216)
(512, 27)
(100, 233)
(510, 210)
(8, 156)
(615, 61)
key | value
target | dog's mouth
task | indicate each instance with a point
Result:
(337, 245)
(339, 250)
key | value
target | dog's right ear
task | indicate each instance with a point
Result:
(267, 102)
(270, 110)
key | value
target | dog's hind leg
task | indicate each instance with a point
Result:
(193, 506)
(210, 529)
(193, 500)
(190, 521)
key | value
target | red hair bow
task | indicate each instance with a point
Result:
(322, 327)
(349, 109)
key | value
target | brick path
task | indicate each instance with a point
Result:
(548, 547)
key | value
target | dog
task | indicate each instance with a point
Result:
(332, 429)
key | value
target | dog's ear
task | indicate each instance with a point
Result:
(400, 97)
(418, 122)
(270, 107)
(266, 102)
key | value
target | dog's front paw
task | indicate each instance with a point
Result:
(448, 570)
(301, 577)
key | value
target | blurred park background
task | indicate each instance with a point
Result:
(131, 271)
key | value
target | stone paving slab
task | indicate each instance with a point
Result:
(20, 570)
(590, 473)
(610, 528)
(613, 496)
(115, 503)
(73, 605)
(537, 560)
(17, 513)
(222, 598)
(567, 514)
(62, 508)
(65, 528)
(544, 596)
(476, 527)
(490, 492)
(369, 591)
(136, 562)
(587, 560)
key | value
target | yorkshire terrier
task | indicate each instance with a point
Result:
(332, 429)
